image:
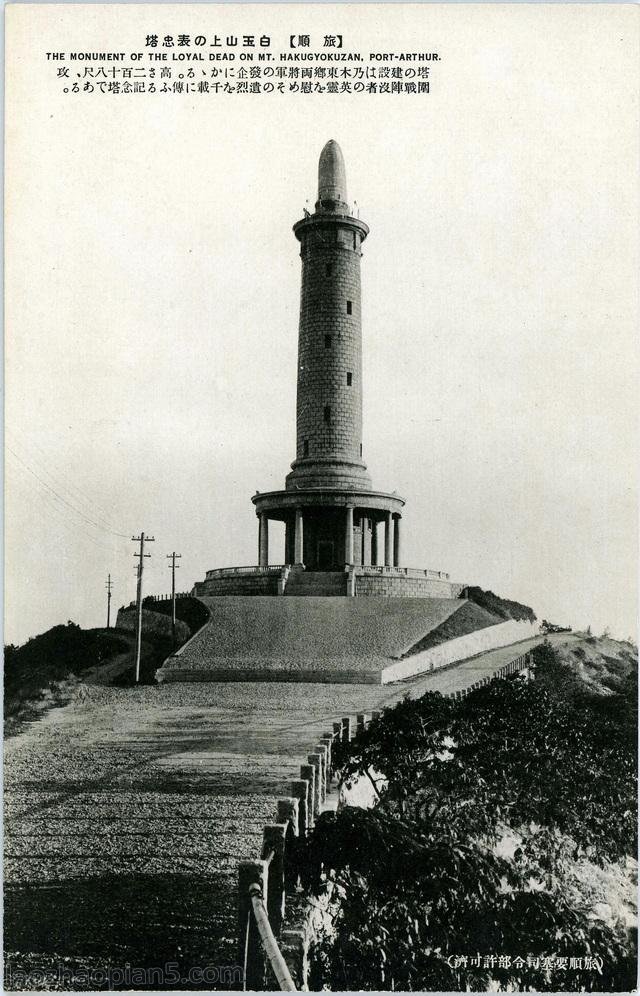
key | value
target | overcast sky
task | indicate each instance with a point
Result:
(153, 291)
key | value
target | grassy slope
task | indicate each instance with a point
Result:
(504, 608)
(597, 674)
(469, 618)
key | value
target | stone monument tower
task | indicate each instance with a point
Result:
(342, 537)
(373, 626)
(330, 510)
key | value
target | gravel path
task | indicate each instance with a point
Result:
(127, 811)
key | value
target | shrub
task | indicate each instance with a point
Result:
(487, 807)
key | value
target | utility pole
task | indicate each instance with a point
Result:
(173, 566)
(108, 585)
(141, 539)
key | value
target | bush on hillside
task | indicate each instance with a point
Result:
(491, 812)
(501, 607)
(52, 656)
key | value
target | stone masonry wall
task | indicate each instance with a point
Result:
(330, 278)
(405, 587)
(266, 584)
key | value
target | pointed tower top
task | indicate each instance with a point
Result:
(332, 177)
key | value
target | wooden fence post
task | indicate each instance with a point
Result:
(288, 814)
(315, 760)
(273, 841)
(294, 946)
(346, 729)
(250, 955)
(308, 772)
(327, 740)
(323, 751)
(300, 792)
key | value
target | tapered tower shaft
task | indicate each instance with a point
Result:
(329, 391)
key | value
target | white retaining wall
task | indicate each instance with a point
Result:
(461, 648)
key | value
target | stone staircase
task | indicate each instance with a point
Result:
(325, 583)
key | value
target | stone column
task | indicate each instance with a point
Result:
(298, 544)
(396, 541)
(388, 540)
(374, 542)
(287, 543)
(263, 540)
(348, 536)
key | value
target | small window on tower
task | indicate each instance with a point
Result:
(349, 379)
(349, 307)
(327, 342)
(328, 270)
(327, 413)
(305, 447)
(360, 449)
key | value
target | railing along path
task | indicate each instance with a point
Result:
(263, 883)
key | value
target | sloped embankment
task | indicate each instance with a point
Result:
(480, 610)
(305, 639)
(469, 618)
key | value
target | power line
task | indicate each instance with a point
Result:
(99, 524)
(74, 508)
(53, 505)
(61, 484)
(66, 485)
